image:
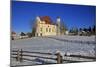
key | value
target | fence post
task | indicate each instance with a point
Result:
(59, 58)
(21, 55)
(18, 55)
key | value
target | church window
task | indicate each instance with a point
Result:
(46, 29)
(41, 29)
(52, 30)
(49, 29)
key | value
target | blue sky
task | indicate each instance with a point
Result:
(23, 13)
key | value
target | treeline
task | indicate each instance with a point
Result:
(83, 31)
(29, 34)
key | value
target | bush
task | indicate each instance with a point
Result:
(29, 35)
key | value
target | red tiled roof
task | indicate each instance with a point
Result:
(47, 19)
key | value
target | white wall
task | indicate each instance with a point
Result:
(44, 32)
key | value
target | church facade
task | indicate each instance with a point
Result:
(46, 27)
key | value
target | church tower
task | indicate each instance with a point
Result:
(37, 25)
(58, 25)
(37, 19)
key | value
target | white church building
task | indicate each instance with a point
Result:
(45, 27)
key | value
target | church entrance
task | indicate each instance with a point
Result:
(40, 34)
(37, 34)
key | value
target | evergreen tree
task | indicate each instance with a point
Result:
(80, 29)
(22, 34)
(33, 27)
(74, 30)
(89, 29)
(29, 34)
(85, 29)
(33, 31)
(63, 28)
(94, 29)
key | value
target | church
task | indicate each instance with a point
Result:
(46, 27)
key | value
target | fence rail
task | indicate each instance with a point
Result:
(80, 56)
(33, 52)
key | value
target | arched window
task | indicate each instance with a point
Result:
(52, 30)
(49, 29)
(41, 29)
(46, 29)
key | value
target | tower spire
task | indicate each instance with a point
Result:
(58, 25)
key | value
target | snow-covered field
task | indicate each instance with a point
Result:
(82, 45)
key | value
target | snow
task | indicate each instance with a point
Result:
(54, 44)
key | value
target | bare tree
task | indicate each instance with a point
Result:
(33, 26)
(63, 28)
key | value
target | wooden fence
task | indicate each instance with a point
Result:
(19, 55)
